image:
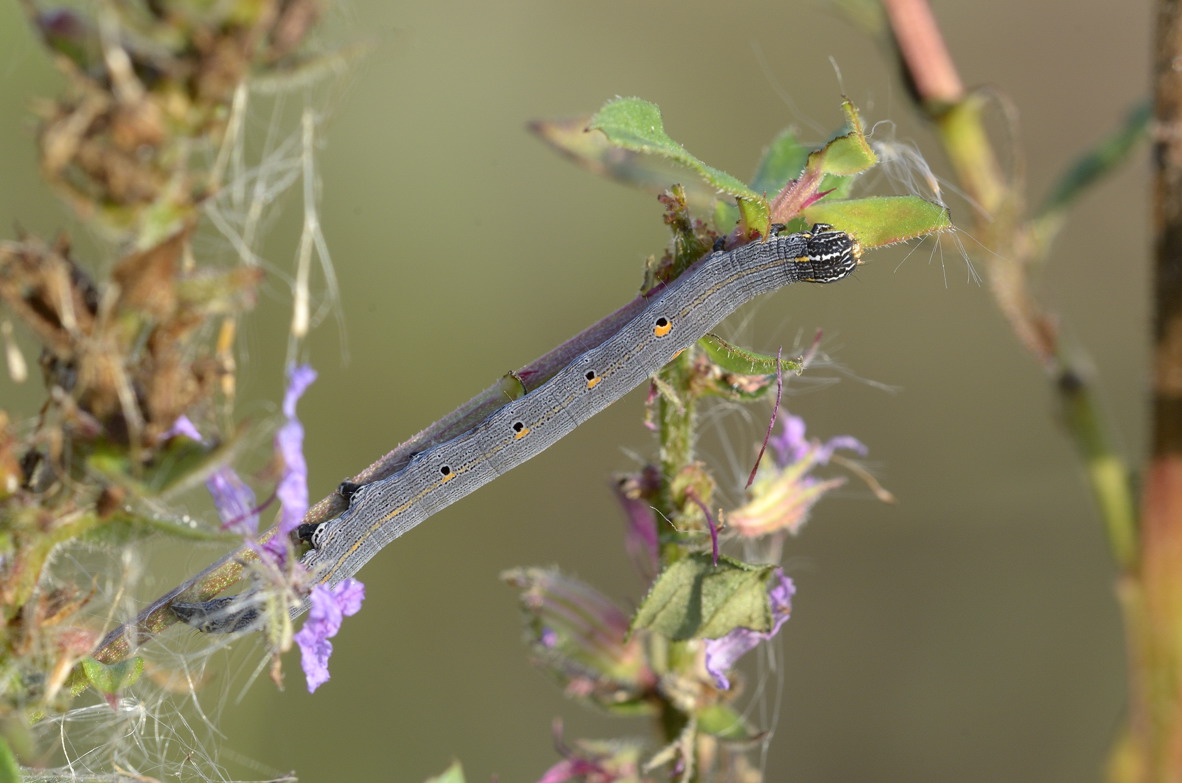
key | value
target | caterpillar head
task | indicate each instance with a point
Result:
(833, 254)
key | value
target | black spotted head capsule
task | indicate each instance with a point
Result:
(833, 254)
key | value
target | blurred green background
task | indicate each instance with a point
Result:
(967, 633)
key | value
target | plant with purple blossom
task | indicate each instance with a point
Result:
(138, 146)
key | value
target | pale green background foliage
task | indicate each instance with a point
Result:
(968, 633)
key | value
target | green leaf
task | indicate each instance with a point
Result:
(181, 464)
(695, 599)
(732, 358)
(836, 188)
(178, 459)
(726, 216)
(10, 770)
(1099, 161)
(453, 774)
(723, 722)
(112, 678)
(829, 170)
(512, 387)
(783, 160)
(882, 220)
(1090, 168)
(635, 124)
(594, 152)
(848, 153)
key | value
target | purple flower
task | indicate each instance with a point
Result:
(289, 444)
(329, 606)
(723, 653)
(792, 446)
(235, 503)
(233, 499)
(183, 426)
(784, 494)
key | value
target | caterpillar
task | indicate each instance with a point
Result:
(681, 313)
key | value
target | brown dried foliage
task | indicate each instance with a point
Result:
(130, 146)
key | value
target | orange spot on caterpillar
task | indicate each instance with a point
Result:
(592, 379)
(662, 326)
(519, 430)
(446, 473)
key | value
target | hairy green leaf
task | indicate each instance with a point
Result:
(111, 678)
(882, 220)
(732, 358)
(635, 124)
(695, 599)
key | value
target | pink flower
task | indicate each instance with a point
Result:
(784, 493)
(582, 639)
